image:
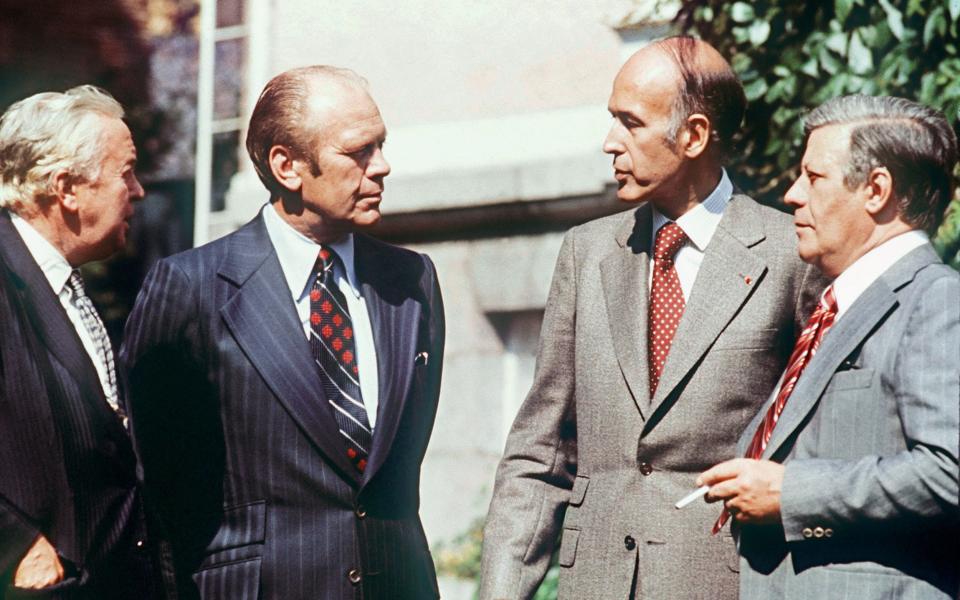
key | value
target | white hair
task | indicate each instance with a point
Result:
(47, 133)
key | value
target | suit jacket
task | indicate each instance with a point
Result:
(239, 444)
(870, 438)
(67, 467)
(591, 453)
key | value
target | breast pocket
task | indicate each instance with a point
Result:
(852, 418)
(747, 339)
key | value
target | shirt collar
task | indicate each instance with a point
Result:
(298, 254)
(54, 266)
(855, 279)
(700, 222)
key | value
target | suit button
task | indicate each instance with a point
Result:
(807, 532)
(818, 532)
(827, 532)
(354, 576)
(646, 468)
(361, 512)
(629, 543)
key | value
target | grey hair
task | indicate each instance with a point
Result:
(281, 117)
(914, 142)
(716, 93)
(47, 133)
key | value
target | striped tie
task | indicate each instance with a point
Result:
(98, 333)
(332, 344)
(807, 344)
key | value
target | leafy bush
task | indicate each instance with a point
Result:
(792, 56)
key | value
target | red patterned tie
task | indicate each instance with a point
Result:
(807, 344)
(331, 340)
(666, 299)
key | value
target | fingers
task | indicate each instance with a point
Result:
(728, 469)
(40, 567)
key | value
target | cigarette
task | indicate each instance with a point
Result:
(695, 494)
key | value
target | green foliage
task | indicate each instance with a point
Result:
(792, 56)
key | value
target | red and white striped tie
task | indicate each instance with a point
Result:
(806, 346)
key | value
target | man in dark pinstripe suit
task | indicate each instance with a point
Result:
(284, 379)
(71, 517)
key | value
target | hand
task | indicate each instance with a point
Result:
(39, 568)
(750, 489)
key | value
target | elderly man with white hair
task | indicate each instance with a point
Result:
(71, 516)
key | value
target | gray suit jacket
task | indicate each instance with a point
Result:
(870, 440)
(591, 454)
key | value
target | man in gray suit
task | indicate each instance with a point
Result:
(855, 490)
(648, 372)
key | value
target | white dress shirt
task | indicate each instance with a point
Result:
(57, 271)
(855, 279)
(298, 254)
(699, 223)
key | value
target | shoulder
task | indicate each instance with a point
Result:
(606, 226)
(400, 265)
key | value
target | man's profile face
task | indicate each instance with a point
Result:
(830, 219)
(345, 189)
(105, 204)
(646, 163)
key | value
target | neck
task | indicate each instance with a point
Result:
(698, 182)
(880, 235)
(309, 224)
(55, 231)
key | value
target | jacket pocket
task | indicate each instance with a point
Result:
(850, 380)
(240, 536)
(579, 491)
(568, 547)
(239, 580)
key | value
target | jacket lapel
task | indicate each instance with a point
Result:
(873, 306)
(49, 320)
(394, 319)
(720, 289)
(624, 274)
(263, 319)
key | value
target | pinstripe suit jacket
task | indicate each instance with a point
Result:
(67, 467)
(870, 439)
(240, 447)
(593, 454)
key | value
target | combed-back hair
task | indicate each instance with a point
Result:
(47, 133)
(282, 117)
(716, 93)
(914, 142)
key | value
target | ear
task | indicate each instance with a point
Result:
(879, 192)
(65, 191)
(286, 168)
(695, 136)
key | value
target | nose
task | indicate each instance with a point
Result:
(794, 196)
(136, 191)
(378, 166)
(613, 144)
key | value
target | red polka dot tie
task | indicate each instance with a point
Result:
(332, 343)
(807, 344)
(666, 300)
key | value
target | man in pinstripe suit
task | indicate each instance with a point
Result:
(71, 516)
(850, 489)
(284, 379)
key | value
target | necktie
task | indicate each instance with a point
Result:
(101, 341)
(332, 344)
(807, 344)
(666, 299)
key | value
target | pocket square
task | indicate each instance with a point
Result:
(422, 358)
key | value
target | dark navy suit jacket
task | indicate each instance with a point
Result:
(67, 467)
(239, 444)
